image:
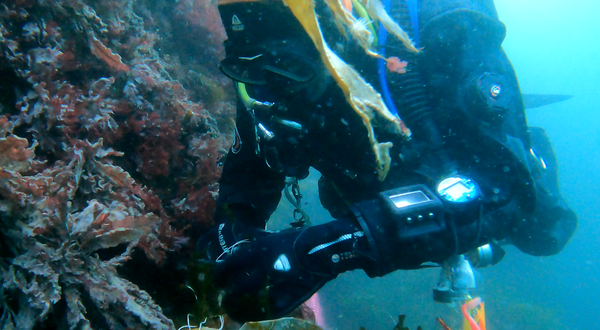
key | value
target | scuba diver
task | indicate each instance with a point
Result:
(324, 84)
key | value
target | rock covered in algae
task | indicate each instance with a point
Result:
(281, 324)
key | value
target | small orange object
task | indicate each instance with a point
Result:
(443, 324)
(396, 65)
(347, 4)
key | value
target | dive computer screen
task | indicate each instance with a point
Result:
(409, 199)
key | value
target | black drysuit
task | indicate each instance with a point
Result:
(461, 100)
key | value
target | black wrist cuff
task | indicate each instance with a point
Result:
(333, 248)
(407, 236)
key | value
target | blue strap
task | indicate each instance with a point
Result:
(385, 91)
(413, 8)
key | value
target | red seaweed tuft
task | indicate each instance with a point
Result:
(105, 54)
(111, 132)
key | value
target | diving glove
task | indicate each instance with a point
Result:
(271, 274)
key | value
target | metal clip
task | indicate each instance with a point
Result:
(265, 133)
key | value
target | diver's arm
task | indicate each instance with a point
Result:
(470, 76)
(548, 232)
(553, 223)
(249, 190)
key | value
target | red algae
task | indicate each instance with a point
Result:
(111, 133)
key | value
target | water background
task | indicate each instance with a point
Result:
(555, 49)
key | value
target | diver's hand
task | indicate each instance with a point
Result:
(263, 279)
(252, 264)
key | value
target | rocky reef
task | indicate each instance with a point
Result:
(113, 122)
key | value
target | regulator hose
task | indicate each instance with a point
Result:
(408, 89)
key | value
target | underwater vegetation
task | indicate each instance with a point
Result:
(113, 121)
(288, 323)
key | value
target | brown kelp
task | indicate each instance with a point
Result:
(111, 121)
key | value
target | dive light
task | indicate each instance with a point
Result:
(458, 189)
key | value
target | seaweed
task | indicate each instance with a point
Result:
(107, 159)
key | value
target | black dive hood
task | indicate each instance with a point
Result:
(249, 24)
(265, 37)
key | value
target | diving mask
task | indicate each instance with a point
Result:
(258, 65)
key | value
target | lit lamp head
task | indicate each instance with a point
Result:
(458, 189)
